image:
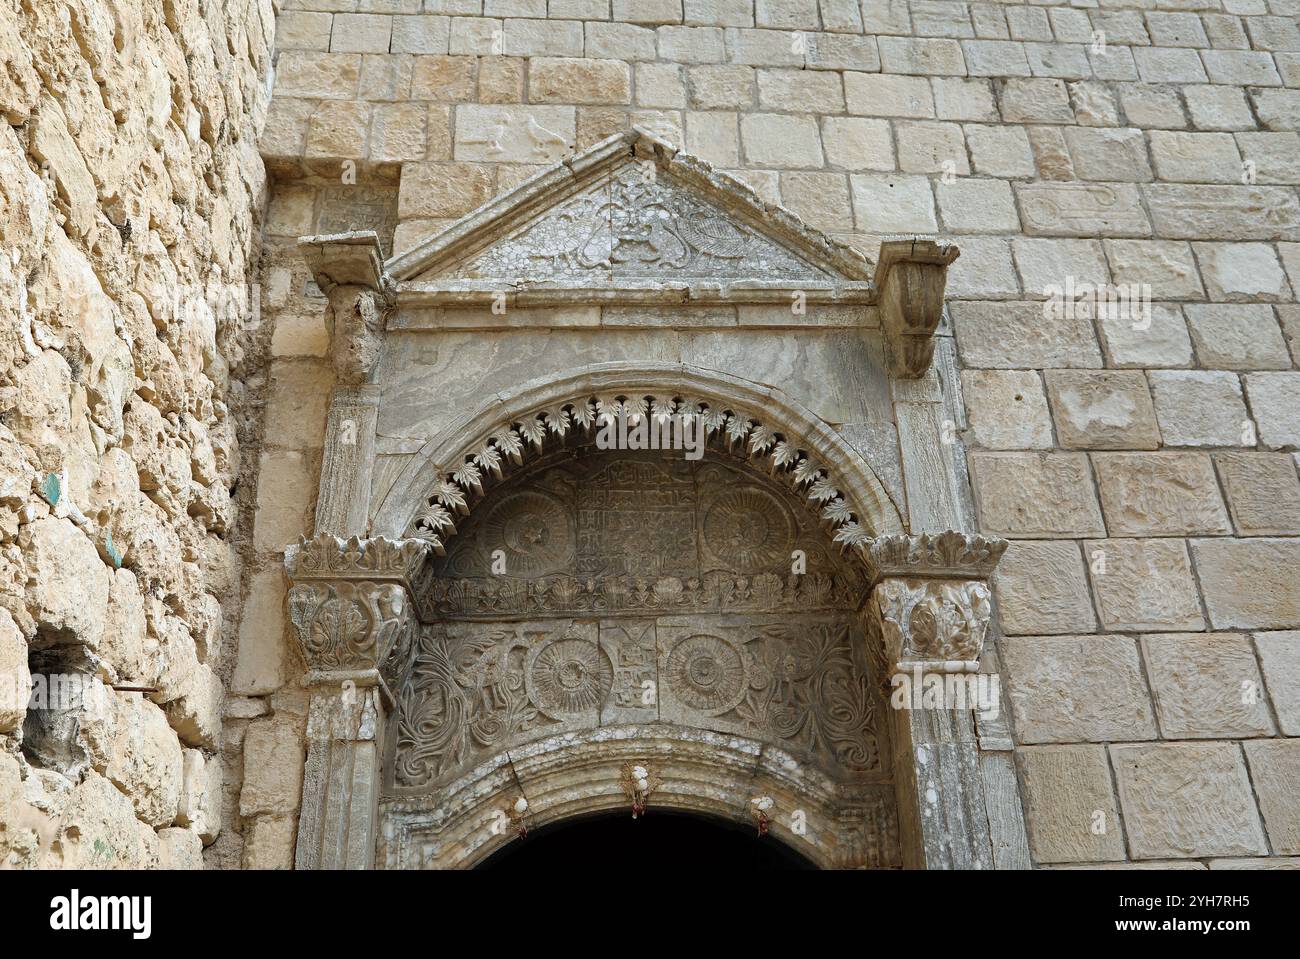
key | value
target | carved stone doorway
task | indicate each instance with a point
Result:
(693, 612)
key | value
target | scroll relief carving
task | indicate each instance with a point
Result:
(477, 689)
(638, 223)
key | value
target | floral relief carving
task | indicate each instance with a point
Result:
(476, 689)
(637, 223)
(933, 621)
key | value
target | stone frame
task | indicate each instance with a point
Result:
(927, 606)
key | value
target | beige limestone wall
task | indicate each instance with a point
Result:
(1145, 473)
(131, 192)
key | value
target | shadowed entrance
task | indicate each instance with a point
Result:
(659, 840)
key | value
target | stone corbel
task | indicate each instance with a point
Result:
(931, 599)
(349, 269)
(910, 280)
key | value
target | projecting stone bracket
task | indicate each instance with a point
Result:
(931, 599)
(910, 280)
(349, 269)
(352, 605)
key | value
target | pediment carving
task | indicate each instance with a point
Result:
(632, 208)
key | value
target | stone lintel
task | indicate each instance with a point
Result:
(910, 277)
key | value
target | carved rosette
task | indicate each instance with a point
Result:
(353, 607)
(931, 600)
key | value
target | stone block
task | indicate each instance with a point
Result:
(443, 189)
(720, 86)
(893, 204)
(572, 80)
(1279, 658)
(1263, 492)
(1144, 584)
(1248, 272)
(1035, 495)
(500, 134)
(1196, 157)
(973, 205)
(145, 759)
(444, 79)
(1016, 335)
(1249, 583)
(1197, 408)
(856, 143)
(1206, 686)
(1108, 154)
(273, 764)
(1102, 409)
(1042, 589)
(1275, 401)
(1077, 688)
(1167, 266)
(1190, 212)
(1159, 494)
(1274, 772)
(1006, 409)
(1160, 340)
(1082, 209)
(1181, 800)
(1219, 108)
(772, 139)
(1000, 151)
(1070, 806)
(885, 95)
(1048, 267)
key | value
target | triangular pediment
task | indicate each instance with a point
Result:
(631, 209)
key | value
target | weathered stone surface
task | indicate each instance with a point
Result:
(97, 829)
(1042, 588)
(1035, 495)
(1077, 688)
(179, 848)
(269, 843)
(262, 662)
(67, 583)
(1237, 336)
(1198, 408)
(1249, 583)
(1144, 584)
(1275, 401)
(1096, 410)
(1279, 658)
(1070, 804)
(1206, 686)
(195, 713)
(1006, 409)
(1160, 340)
(1263, 492)
(1019, 335)
(145, 761)
(15, 677)
(1187, 799)
(199, 806)
(1159, 494)
(1245, 272)
(273, 764)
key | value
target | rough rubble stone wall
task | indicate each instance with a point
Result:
(131, 192)
(1146, 476)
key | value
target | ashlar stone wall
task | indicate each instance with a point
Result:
(131, 192)
(1145, 470)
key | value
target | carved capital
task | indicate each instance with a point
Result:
(937, 625)
(349, 269)
(910, 277)
(351, 602)
(946, 555)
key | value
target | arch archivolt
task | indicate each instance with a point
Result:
(453, 471)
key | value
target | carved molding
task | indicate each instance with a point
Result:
(352, 605)
(949, 554)
(910, 280)
(784, 456)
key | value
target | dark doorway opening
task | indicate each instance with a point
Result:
(658, 840)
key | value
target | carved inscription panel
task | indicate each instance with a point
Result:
(639, 534)
(476, 689)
